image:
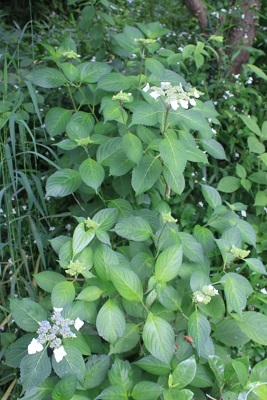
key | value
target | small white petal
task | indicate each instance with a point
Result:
(57, 309)
(174, 104)
(196, 94)
(34, 347)
(59, 353)
(154, 94)
(184, 103)
(78, 323)
(146, 88)
(192, 102)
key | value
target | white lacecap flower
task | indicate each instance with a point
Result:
(155, 94)
(59, 353)
(196, 95)
(184, 103)
(146, 88)
(243, 213)
(174, 104)
(34, 347)
(263, 291)
(192, 102)
(78, 323)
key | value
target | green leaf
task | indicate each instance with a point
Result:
(168, 263)
(195, 155)
(158, 336)
(81, 238)
(128, 341)
(229, 184)
(114, 392)
(97, 368)
(133, 228)
(229, 333)
(106, 218)
(251, 124)
(247, 232)
(169, 297)
(62, 294)
(120, 164)
(46, 280)
(174, 180)
(121, 374)
(127, 283)
(113, 82)
(65, 388)
(146, 390)
(177, 394)
(205, 237)
(145, 174)
(191, 248)
(199, 329)
(241, 372)
(56, 120)
(214, 148)
(255, 146)
(34, 369)
(17, 350)
(107, 150)
(48, 78)
(236, 288)
(62, 183)
(71, 364)
(81, 340)
(184, 373)
(211, 196)
(104, 259)
(259, 371)
(258, 71)
(153, 366)
(110, 322)
(256, 265)
(90, 293)
(153, 30)
(42, 392)
(70, 71)
(261, 199)
(155, 67)
(80, 126)
(27, 314)
(217, 366)
(92, 173)
(132, 146)
(173, 154)
(254, 325)
(90, 72)
(145, 115)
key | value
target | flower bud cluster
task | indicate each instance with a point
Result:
(205, 294)
(51, 334)
(239, 253)
(173, 96)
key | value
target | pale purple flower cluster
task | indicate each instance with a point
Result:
(51, 334)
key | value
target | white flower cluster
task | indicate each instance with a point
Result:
(173, 96)
(205, 294)
(52, 334)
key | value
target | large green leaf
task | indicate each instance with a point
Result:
(90, 72)
(145, 174)
(154, 366)
(254, 325)
(65, 388)
(256, 265)
(17, 350)
(62, 183)
(107, 150)
(113, 82)
(81, 238)
(56, 120)
(214, 148)
(229, 184)
(168, 263)
(132, 146)
(34, 369)
(199, 329)
(146, 390)
(46, 280)
(211, 195)
(236, 288)
(229, 333)
(153, 30)
(106, 218)
(48, 78)
(71, 364)
(114, 392)
(104, 259)
(97, 368)
(80, 126)
(173, 154)
(158, 336)
(155, 67)
(133, 228)
(251, 124)
(184, 373)
(110, 322)
(174, 180)
(247, 232)
(145, 115)
(62, 294)
(27, 314)
(127, 283)
(128, 341)
(92, 173)
(42, 392)
(191, 248)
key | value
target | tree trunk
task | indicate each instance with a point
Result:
(199, 11)
(243, 32)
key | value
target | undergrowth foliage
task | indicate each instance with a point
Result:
(156, 294)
